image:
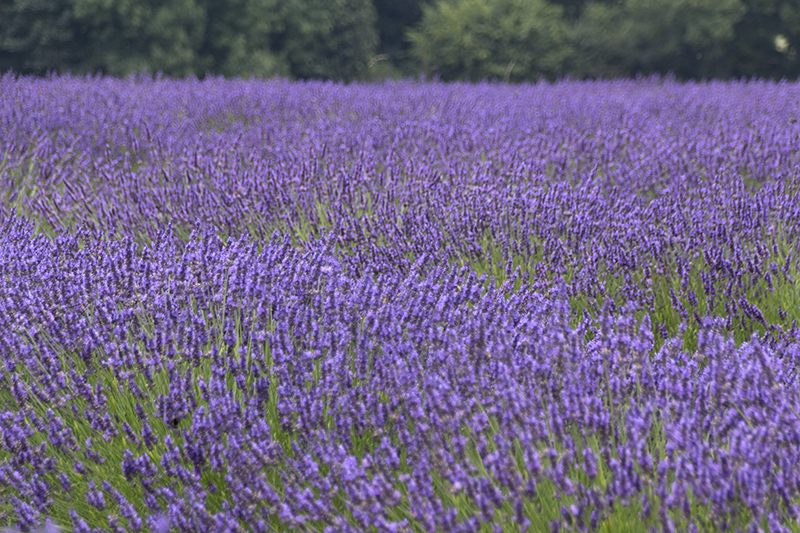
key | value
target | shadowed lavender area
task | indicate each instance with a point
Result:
(277, 306)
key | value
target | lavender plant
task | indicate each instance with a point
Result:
(250, 306)
(634, 194)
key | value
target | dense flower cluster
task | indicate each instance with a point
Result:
(406, 398)
(245, 306)
(682, 198)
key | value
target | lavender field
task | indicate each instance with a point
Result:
(405, 307)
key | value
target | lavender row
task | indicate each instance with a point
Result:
(226, 388)
(247, 155)
(679, 197)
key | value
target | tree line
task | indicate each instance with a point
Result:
(511, 40)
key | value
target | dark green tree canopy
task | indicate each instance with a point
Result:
(476, 39)
(37, 36)
(691, 38)
(394, 19)
(327, 38)
(294, 38)
(139, 35)
(767, 40)
(240, 39)
(514, 40)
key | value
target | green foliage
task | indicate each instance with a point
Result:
(37, 36)
(509, 39)
(394, 18)
(688, 37)
(600, 41)
(239, 38)
(300, 38)
(141, 35)
(767, 40)
(573, 9)
(327, 38)
(374, 39)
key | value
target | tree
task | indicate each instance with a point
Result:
(239, 39)
(393, 20)
(301, 38)
(37, 36)
(332, 39)
(476, 39)
(573, 9)
(601, 40)
(767, 40)
(691, 38)
(138, 35)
